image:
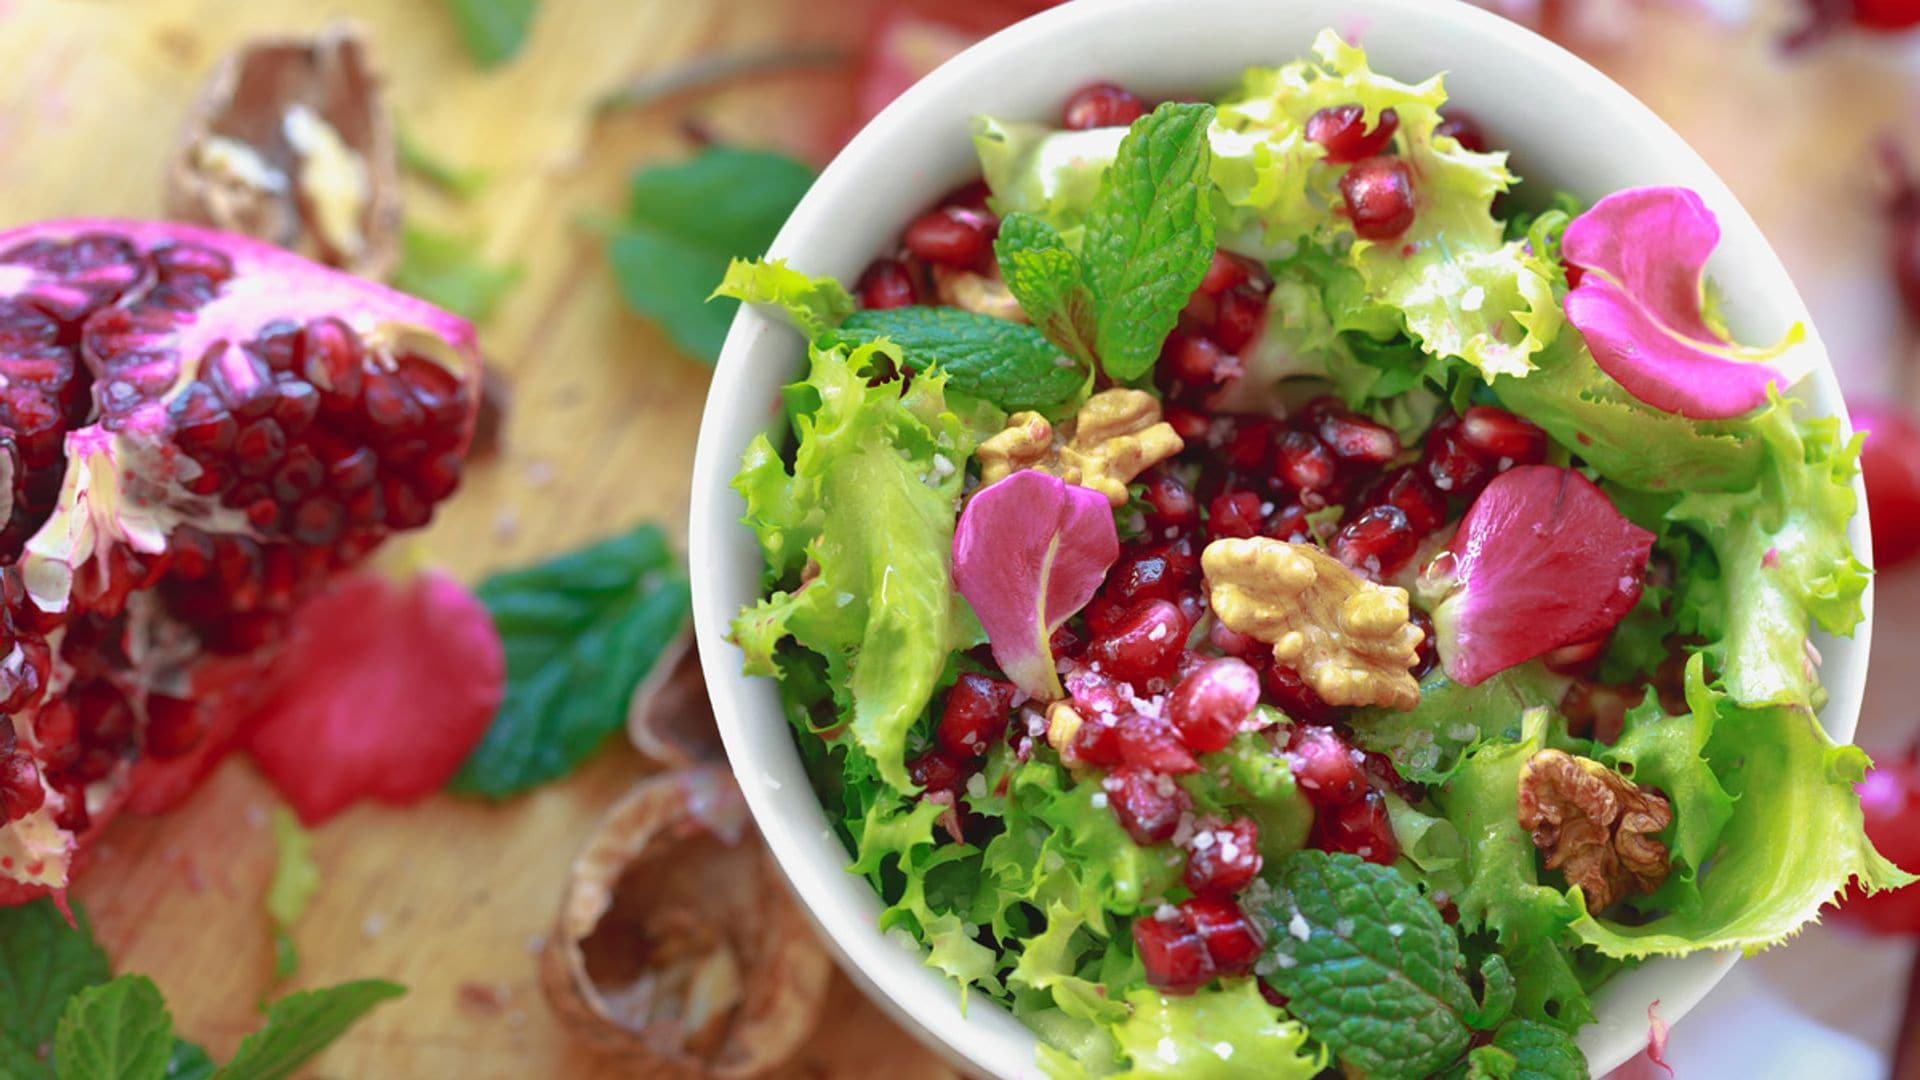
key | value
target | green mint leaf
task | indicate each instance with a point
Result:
(446, 270)
(1540, 1052)
(189, 1062)
(295, 877)
(301, 1025)
(580, 632)
(1007, 363)
(1150, 235)
(813, 304)
(43, 963)
(493, 30)
(1366, 963)
(1045, 276)
(685, 221)
(118, 1030)
(1496, 995)
(455, 180)
(1488, 1063)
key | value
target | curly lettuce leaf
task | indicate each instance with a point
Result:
(1221, 1033)
(1784, 563)
(1427, 741)
(813, 304)
(871, 499)
(1794, 840)
(1668, 752)
(1504, 895)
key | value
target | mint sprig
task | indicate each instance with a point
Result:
(1367, 963)
(1148, 241)
(117, 1030)
(1007, 363)
(1045, 276)
(43, 963)
(1150, 235)
(65, 1017)
(580, 631)
(1523, 1050)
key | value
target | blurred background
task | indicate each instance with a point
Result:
(521, 128)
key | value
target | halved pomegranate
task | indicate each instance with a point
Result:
(1542, 559)
(196, 431)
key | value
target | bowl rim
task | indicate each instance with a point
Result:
(920, 998)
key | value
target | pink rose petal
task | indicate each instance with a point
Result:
(1643, 255)
(1028, 552)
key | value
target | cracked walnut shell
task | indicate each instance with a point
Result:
(1117, 435)
(1596, 826)
(1348, 638)
(679, 952)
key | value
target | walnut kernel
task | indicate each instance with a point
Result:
(1117, 435)
(1596, 826)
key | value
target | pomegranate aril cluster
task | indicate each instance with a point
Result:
(1185, 946)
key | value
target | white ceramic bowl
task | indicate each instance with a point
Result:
(1569, 126)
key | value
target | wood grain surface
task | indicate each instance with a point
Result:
(453, 898)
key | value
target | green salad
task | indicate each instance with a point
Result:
(1260, 594)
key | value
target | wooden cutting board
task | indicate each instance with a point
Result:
(452, 898)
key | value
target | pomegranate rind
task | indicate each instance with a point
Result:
(1542, 559)
(773, 1010)
(1641, 306)
(386, 688)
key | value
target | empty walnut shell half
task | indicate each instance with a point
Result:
(679, 951)
(669, 718)
(289, 143)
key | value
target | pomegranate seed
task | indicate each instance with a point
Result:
(1233, 944)
(1225, 272)
(202, 426)
(1191, 425)
(1232, 642)
(22, 682)
(885, 284)
(1382, 775)
(1248, 445)
(1209, 705)
(1101, 104)
(1174, 955)
(1146, 644)
(1379, 196)
(174, 727)
(1289, 523)
(1153, 744)
(1414, 495)
(1222, 858)
(1464, 128)
(20, 791)
(1240, 314)
(1454, 467)
(1198, 361)
(1064, 642)
(73, 815)
(1299, 701)
(974, 716)
(1235, 515)
(1147, 805)
(1906, 262)
(1355, 438)
(1170, 504)
(1427, 657)
(936, 771)
(1376, 543)
(950, 237)
(1304, 462)
(1498, 434)
(1325, 767)
(1143, 574)
(1359, 828)
(330, 359)
(1096, 742)
(1344, 133)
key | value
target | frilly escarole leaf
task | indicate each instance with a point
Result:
(815, 305)
(1427, 741)
(1784, 563)
(1792, 842)
(868, 505)
(1220, 1033)
(1029, 552)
